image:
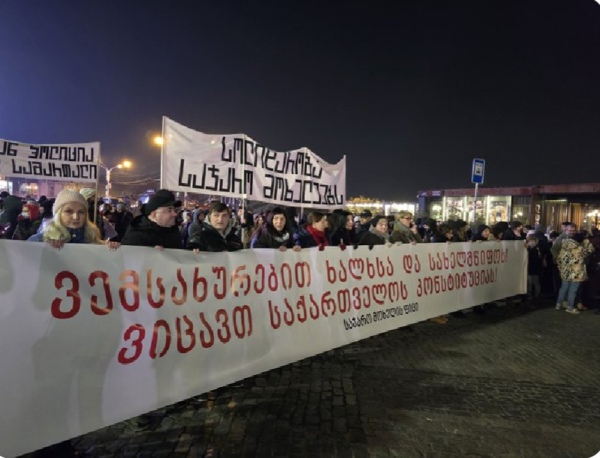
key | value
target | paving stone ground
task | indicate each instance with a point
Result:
(515, 382)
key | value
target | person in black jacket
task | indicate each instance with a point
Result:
(483, 234)
(514, 232)
(216, 233)
(276, 233)
(444, 234)
(378, 234)
(155, 226)
(342, 229)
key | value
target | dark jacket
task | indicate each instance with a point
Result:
(122, 221)
(269, 237)
(343, 237)
(403, 234)
(26, 228)
(439, 238)
(9, 218)
(509, 234)
(372, 238)
(206, 238)
(536, 261)
(143, 232)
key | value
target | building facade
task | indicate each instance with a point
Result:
(545, 205)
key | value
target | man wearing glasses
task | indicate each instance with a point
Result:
(405, 230)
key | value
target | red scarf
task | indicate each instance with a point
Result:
(317, 235)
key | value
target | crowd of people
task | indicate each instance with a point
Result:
(564, 265)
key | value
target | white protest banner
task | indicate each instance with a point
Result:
(76, 162)
(87, 344)
(237, 166)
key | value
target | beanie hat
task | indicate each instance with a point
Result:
(87, 193)
(67, 196)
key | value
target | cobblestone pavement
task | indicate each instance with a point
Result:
(514, 382)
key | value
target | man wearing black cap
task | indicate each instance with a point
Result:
(156, 225)
(365, 223)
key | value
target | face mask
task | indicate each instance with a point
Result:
(532, 244)
(25, 215)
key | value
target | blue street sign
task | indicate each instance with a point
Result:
(478, 171)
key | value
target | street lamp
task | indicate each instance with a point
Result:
(123, 165)
(158, 140)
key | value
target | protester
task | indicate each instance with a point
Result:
(70, 223)
(10, 216)
(514, 231)
(156, 224)
(405, 230)
(535, 268)
(571, 265)
(461, 229)
(46, 213)
(276, 233)
(378, 234)
(29, 222)
(342, 229)
(364, 220)
(482, 235)
(444, 234)
(246, 230)
(314, 233)
(216, 233)
(427, 229)
(122, 218)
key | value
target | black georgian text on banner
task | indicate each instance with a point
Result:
(76, 162)
(235, 165)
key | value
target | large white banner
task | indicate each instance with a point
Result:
(72, 162)
(237, 166)
(90, 337)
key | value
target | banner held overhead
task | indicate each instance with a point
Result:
(77, 162)
(235, 165)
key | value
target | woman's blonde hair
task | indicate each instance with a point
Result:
(403, 214)
(56, 231)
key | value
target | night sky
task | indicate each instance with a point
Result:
(409, 91)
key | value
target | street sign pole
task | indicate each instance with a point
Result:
(477, 174)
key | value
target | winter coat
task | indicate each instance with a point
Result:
(9, 218)
(143, 232)
(205, 237)
(269, 237)
(571, 260)
(373, 237)
(403, 234)
(122, 220)
(536, 261)
(343, 237)
(26, 228)
(304, 237)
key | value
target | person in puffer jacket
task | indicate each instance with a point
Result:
(572, 268)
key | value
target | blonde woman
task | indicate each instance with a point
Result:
(405, 230)
(70, 223)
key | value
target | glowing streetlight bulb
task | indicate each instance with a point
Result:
(126, 164)
(158, 140)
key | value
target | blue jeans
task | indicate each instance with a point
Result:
(568, 292)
